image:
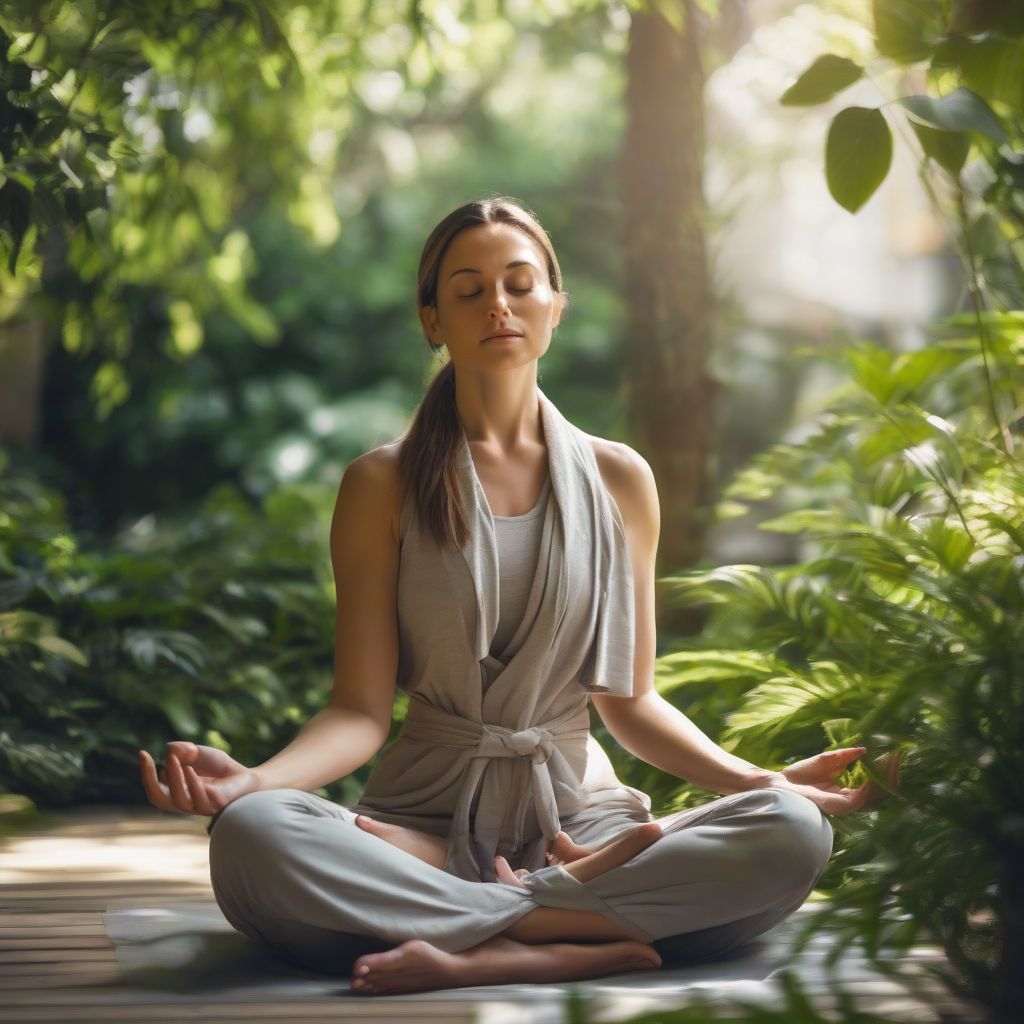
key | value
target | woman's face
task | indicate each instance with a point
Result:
(493, 277)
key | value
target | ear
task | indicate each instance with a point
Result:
(561, 301)
(431, 323)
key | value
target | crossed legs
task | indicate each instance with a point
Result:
(296, 871)
(530, 949)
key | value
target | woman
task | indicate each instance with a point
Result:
(497, 564)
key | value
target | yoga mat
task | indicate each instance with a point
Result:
(189, 948)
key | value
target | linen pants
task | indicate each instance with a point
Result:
(294, 872)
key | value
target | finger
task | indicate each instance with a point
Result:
(197, 789)
(184, 750)
(156, 793)
(847, 755)
(178, 787)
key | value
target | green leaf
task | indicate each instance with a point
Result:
(681, 668)
(180, 649)
(858, 154)
(814, 520)
(948, 149)
(828, 75)
(63, 649)
(959, 111)
(950, 543)
(774, 704)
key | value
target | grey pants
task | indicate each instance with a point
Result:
(295, 872)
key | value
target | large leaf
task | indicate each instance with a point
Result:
(778, 701)
(959, 111)
(681, 668)
(858, 153)
(828, 75)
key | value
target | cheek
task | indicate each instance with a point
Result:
(541, 299)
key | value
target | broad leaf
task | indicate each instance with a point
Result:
(858, 153)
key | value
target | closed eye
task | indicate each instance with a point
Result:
(473, 295)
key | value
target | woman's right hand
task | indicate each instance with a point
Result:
(198, 779)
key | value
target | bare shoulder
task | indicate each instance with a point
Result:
(371, 488)
(630, 480)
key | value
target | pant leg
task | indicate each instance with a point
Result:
(721, 874)
(295, 871)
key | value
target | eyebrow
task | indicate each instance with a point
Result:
(508, 266)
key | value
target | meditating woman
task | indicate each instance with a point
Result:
(497, 564)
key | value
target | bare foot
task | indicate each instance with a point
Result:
(417, 966)
(585, 865)
(430, 849)
(565, 851)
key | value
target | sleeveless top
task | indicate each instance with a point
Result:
(518, 539)
(495, 752)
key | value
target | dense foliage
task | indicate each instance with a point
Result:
(219, 628)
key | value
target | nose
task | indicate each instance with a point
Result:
(499, 302)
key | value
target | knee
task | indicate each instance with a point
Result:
(791, 839)
(247, 826)
(798, 837)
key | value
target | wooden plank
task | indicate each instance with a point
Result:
(30, 983)
(344, 1008)
(59, 954)
(65, 933)
(82, 904)
(108, 887)
(56, 917)
(286, 1014)
(98, 961)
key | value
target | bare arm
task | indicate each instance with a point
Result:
(354, 725)
(661, 735)
(646, 724)
(332, 744)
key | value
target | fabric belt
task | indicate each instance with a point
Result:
(483, 741)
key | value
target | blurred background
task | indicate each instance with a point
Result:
(792, 237)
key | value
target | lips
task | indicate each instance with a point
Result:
(503, 334)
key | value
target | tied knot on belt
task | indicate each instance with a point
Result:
(497, 741)
(480, 743)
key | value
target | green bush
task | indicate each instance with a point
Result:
(217, 627)
(903, 631)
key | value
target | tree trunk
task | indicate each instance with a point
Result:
(21, 379)
(669, 394)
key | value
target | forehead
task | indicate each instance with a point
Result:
(490, 247)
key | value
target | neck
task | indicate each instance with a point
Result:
(502, 414)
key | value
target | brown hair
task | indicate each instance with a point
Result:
(426, 459)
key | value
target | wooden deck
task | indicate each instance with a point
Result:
(65, 881)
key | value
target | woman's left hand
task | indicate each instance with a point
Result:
(815, 778)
